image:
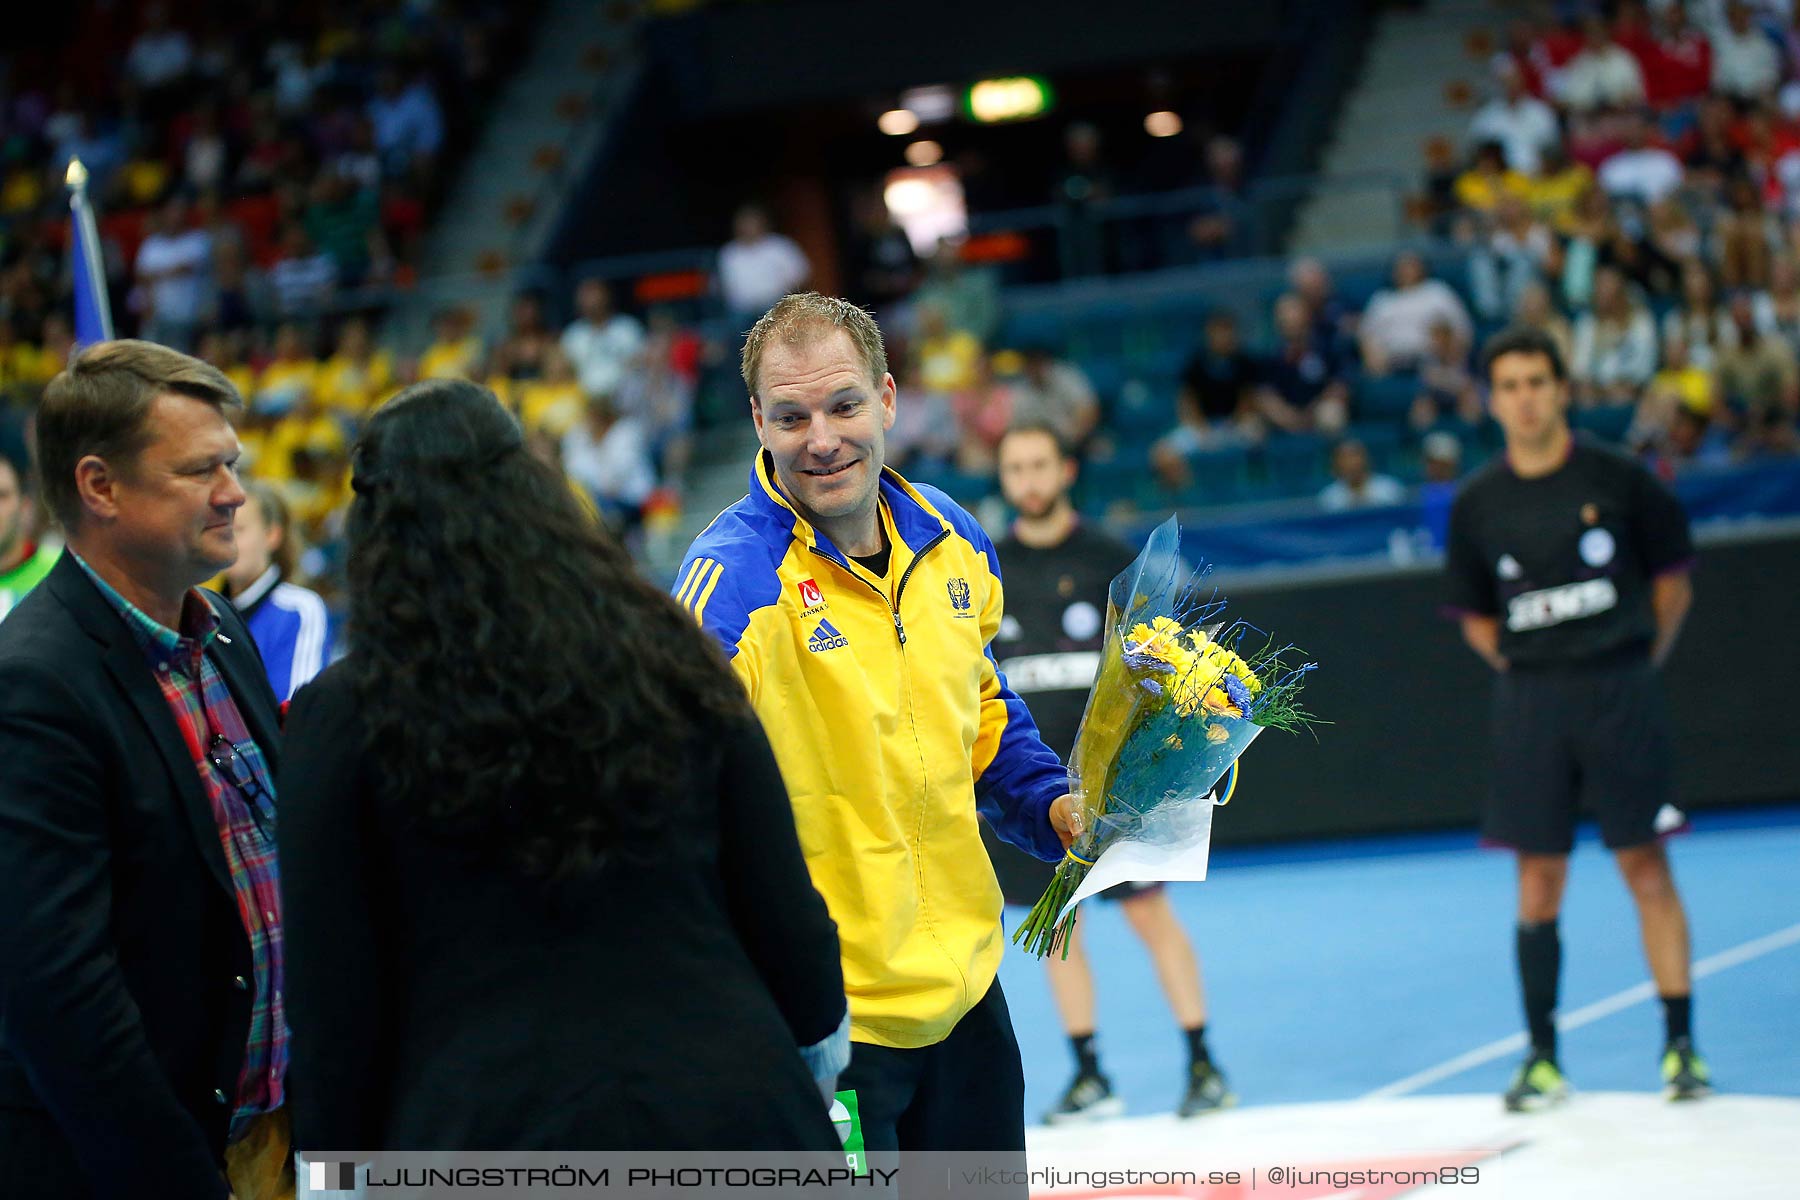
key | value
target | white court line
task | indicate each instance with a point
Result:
(1618, 1002)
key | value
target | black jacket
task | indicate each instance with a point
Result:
(124, 966)
(441, 1000)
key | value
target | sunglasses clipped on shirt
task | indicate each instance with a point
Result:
(228, 759)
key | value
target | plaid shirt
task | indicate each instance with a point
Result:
(244, 812)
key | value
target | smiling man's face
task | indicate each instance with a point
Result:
(824, 420)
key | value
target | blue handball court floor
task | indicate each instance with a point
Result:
(1382, 968)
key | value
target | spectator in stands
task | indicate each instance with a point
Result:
(302, 279)
(236, 296)
(456, 351)
(758, 267)
(358, 377)
(1768, 433)
(290, 377)
(1083, 183)
(1692, 440)
(984, 411)
(606, 454)
(1440, 455)
(344, 222)
(1745, 64)
(1778, 306)
(407, 123)
(1522, 54)
(173, 263)
(1678, 385)
(1602, 75)
(1216, 403)
(1757, 373)
(1216, 227)
(1489, 180)
(522, 353)
(1396, 325)
(968, 296)
(1744, 234)
(1333, 322)
(1673, 235)
(1447, 385)
(1355, 484)
(1050, 391)
(556, 401)
(659, 392)
(56, 342)
(600, 342)
(1302, 388)
(225, 350)
(1534, 310)
(1679, 63)
(1700, 318)
(1640, 171)
(946, 360)
(1710, 150)
(1512, 255)
(205, 159)
(161, 56)
(1443, 168)
(1615, 344)
(1560, 184)
(884, 270)
(1521, 123)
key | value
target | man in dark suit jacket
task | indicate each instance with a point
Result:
(142, 1039)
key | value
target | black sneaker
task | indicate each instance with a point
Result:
(1206, 1091)
(1684, 1072)
(1089, 1098)
(1538, 1085)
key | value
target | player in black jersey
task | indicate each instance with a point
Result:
(1057, 573)
(1569, 566)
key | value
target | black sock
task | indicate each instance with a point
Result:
(1196, 1040)
(1678, 1016)
(1540, 966)
(1087, 1057)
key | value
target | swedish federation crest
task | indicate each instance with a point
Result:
(959, 596)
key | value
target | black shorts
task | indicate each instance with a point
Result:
(1581, 738)
(1024, 878)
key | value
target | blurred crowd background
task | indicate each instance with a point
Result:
(287, 190)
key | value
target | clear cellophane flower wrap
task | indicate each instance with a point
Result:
(1180, 694)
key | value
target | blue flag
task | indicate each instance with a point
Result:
(93, 308)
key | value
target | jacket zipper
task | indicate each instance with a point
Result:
(900, 590)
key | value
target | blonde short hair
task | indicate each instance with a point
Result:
(804, 316)
(100, 404)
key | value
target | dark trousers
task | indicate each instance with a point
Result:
(965, 1093)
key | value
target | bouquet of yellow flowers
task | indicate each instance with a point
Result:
(1181, 693)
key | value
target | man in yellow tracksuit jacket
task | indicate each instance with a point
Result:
(857, 609)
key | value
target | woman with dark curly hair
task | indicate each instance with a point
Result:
(542, 885)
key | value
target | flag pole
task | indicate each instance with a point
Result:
(93, 308)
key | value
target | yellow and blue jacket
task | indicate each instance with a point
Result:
(893, 727)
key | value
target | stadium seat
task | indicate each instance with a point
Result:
(1608, 423)
(1219, 477)
(1139, 412)
(1294, 464)
(1387, 447)
(1379, 396)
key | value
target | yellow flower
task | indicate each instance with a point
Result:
(1216, 701)
(1192, 685)
(1217, 733)
(1161, 639)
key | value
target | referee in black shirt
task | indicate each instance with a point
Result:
(1569, 566)
(1058, 572)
